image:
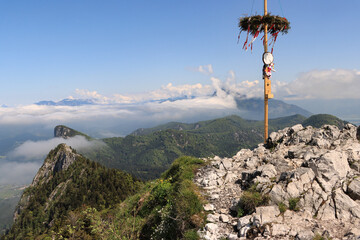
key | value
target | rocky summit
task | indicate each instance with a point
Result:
(302, 184)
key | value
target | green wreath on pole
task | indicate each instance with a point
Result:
(275, 24)
(254, 25)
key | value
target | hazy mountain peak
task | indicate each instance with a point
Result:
(65, 132)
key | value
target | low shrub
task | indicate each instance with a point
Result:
(250, 199)
(282, 207)
(293, 204)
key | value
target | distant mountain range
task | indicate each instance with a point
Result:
(67, 102)
(251, 108)
(254, 108)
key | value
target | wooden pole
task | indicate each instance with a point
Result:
(266, 82)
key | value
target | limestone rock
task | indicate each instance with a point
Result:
(331, 168)
(305, 235)
(354, 189)
(266, 214)
(280, 229)
(209, 207)
(224, 218)
(211, 227)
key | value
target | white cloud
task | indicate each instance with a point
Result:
(84, 93)
(37, 150)
(323, 84)
(205, 69)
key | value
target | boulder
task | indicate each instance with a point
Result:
(330, 169)
(280, 230)
(277, 194)
(354, 189)
(266, 215)
(267, 170)
(211, 227)
(209, 207)
(305, 235)
(295, 129)
(224, 218)
(346, 208)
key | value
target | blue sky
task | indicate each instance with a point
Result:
(48, 49)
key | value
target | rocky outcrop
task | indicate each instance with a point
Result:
(309, 176)
(59, 159)
(63, 132)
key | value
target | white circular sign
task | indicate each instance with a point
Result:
(268, 58)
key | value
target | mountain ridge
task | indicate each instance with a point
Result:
(148, 152)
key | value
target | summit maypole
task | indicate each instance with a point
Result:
(253, 25)
(267, 83)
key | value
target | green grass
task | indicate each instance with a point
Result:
(319, 237)
(250, 199)
(293, 204)
(282, 207)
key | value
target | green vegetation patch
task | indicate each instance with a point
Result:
(282, 207)
(250, 199)
(320, 119)
(293, 204)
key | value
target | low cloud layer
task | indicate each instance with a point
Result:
(323, 84)
(35, 150)
(12, 172)
(21, 165)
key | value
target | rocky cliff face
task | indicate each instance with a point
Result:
(307, 178)
(57, 160)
